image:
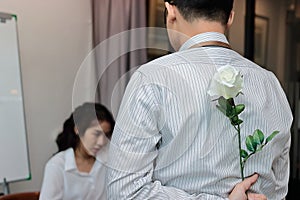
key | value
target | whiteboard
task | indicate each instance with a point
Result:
(14, 158)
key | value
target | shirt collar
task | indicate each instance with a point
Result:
(70, 163)
(203, 37)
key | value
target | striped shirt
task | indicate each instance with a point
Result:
(170, 141)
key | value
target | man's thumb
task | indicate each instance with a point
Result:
(247, 182)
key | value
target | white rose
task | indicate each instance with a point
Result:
(227, 82)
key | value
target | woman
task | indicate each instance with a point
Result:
(75, 172)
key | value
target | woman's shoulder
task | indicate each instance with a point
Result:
(60, 158)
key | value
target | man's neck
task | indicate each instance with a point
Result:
(199, 26)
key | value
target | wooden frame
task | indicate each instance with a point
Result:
(156, 13)
(21, 196)
(157, 36)
(261, 40)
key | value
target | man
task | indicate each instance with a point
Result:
(170, 141)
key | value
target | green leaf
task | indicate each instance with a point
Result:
(234, 119)
(230, 112)
(236, 122)
(271, 136)
(222, 102)
(239, 93)
(239, 108)
(222, 109)
(258, 136)
(250, 144)
(244, 153)
(224, 106)
(239, 122)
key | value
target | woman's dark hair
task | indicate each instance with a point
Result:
(82, 117)
(214, 10)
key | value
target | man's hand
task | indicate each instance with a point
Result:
(239, 191)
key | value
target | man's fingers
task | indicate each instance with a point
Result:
(252, 196)
(247, 182)
(240, 190)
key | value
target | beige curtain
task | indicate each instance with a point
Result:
(117, 44)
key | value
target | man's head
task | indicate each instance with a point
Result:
(211, 10)
(186, 18)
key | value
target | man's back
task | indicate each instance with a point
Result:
(197, 148)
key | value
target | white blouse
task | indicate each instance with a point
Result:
(63, 181)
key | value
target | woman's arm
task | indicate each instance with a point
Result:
(53, 182)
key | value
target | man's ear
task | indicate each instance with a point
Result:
(76, 130)
(171, 16)
(230, 19)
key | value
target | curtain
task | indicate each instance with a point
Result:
(119, 46)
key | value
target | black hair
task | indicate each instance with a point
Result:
(82, 117)
(213, 10)
(67, 138)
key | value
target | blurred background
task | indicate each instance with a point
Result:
(56, 37)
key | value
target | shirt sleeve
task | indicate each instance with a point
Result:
(281, 169)
(133, 148)
(281, 164)
(52, 187)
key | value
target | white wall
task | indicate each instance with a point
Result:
(275, 11)
(237, 30)
(54, 39)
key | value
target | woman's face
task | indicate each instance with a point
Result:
(94, 137)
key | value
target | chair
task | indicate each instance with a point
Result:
(21, 196)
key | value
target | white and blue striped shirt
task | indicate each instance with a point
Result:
(170, 141)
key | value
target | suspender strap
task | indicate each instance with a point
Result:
(212, 44)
